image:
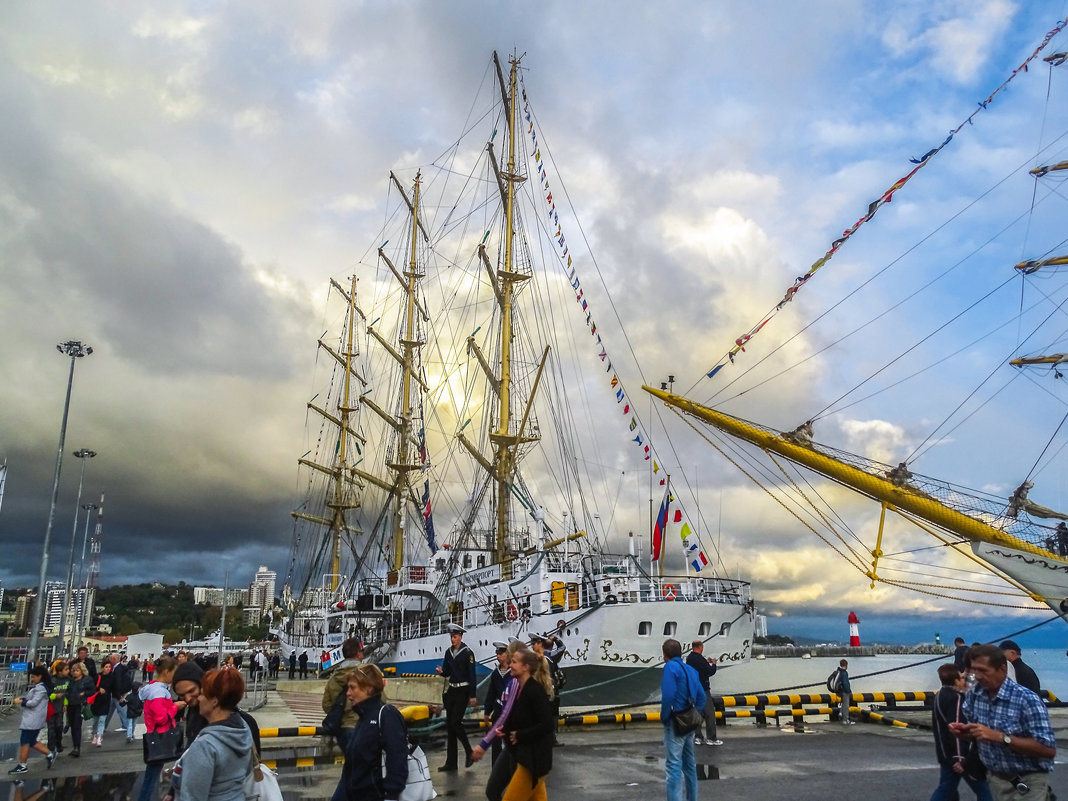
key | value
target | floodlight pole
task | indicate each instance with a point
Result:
(83, 454)
(75, 350)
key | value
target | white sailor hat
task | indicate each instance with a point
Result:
(535, 637)
(454, 628)
(498, 644)
(513, 639)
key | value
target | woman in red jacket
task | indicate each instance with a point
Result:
(160, 711)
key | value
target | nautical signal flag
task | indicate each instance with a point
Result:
(690, 543)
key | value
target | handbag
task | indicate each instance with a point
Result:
(418, 786)
(265, 788)
(689, 719)
(162, 746)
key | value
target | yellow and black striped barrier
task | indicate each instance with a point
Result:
(412, 714)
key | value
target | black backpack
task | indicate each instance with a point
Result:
(332, 723)
(834, 681)
(134, 705)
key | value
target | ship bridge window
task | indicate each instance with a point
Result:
(669, 628)
(705, 629)
(467, 560)
(645, 628)
(481, 560)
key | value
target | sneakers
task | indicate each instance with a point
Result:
(849, 723)
(713, 742)
(698, 741)
(51, 759)
(129, 740)
(20, 768)
(98, 740)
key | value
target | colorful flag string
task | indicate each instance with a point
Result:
(873, 207)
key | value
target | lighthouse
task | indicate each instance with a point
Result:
(854, 630)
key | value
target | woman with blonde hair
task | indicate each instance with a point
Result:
(529, 728)
(379, 731)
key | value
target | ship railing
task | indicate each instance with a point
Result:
(688, 588)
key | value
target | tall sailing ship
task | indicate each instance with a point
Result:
(999, 537)
(455, 471)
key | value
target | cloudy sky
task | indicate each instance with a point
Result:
(179, 181)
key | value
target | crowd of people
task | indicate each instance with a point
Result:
(192, 698)
(991, 729)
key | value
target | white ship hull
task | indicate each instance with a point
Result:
(1044, 577)
(613, 624)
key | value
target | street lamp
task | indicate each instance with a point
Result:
(75, 350)
(81, 615)
(83, 454)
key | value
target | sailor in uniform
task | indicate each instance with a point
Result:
(458, 668)
(498, 680)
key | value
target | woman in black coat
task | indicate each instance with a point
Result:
(379, 732)
(530, 727)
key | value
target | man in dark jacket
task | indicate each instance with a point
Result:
(960, 651)
(352, 650)
(706, 669)
(85, 659)
(1024, 675)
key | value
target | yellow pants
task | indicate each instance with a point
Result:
(519, 788)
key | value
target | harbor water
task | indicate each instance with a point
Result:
(896, 672)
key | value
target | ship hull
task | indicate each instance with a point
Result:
(1045, 577)
(613, 655)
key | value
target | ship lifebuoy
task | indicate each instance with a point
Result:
(513, 613)
(671, 592)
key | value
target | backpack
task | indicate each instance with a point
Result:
(134, 705)
(332, 723)
(834, 681)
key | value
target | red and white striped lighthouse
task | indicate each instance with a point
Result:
(854, 630)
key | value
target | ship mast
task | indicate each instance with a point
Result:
(342, 495)
(408, 344)
(505, 443)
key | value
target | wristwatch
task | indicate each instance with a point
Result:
(1006, 739)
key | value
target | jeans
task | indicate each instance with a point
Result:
(117, 707)
(948, 782)
(150, 782)
(679, 765)
(100, 722)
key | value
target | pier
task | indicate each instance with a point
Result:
(610, 760)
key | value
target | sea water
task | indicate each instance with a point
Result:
(903, 672)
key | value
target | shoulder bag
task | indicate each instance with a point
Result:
(162, 746)
(418, 786)
(261, 782)
(689, 719)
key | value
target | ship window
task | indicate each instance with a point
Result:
(705, 629)
(467, 560)
(481, 560)
(645, 628)
(669, 628)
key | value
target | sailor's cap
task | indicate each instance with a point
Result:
(454, 628)
(535, 637)
(499, 644)
(513, 639)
